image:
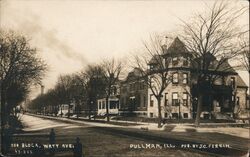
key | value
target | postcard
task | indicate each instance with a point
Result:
(124, 78)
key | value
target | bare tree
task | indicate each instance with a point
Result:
(64, 90)
(245, 53)
(212, 37)
(19, 69)
(112, 71)
(93, 81)
(155, 68)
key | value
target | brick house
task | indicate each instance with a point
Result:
(226, 96)
(133, 98)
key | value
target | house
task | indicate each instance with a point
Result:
(134, 98)
(113, 101)
(176, 98)
(224, 98)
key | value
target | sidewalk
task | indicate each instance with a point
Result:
(178, 128)
(237, 138)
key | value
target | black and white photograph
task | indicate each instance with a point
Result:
(124, 78)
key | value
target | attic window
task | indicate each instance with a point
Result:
(175, 78)
(151, 67)
(175, 61)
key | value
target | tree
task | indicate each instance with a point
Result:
(155, 69)
(20, 67)
(65, 89)
(93, 81)
(212, 38)
(245, 53)
(112, 71)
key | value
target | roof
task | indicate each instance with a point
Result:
(240, 82)
(226, 67)
(215, 65)
(134, 74)
(177, 46)
(155, 59)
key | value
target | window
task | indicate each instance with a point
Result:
(233, 98)
(175, 78)
(185, 99)
(233, 82)
(113, 104)
(185, 62)
(238, 101)
(100, 105)
(151, 100)
(175, 115)
(185, 78)
(103, 105)
(175, 61)
(175, 101)
(151, 67)
(151, 115)
(166, 99)
(166, 115)
(185, 115)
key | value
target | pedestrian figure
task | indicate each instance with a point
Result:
(52, 136)
(52, 140)
(78, 148)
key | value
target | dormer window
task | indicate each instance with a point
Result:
(175, 78)
(175, 61)
(151, 67)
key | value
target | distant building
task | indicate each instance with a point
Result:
(134, 94)
(113, 102)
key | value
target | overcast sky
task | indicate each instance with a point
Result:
(71, 34)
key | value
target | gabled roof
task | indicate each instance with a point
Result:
(240, 82)
(134, 74)
(177, 47)
(226, 67)
(155, 59)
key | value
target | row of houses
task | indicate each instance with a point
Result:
(225, 98)
(133, 97)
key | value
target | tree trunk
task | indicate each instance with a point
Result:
(69, 110)
(89, 110)
(199, 109)
(159, 112)
(107, 108)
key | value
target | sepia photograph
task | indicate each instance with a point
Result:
(124, 78)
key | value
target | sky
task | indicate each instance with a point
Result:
(71, 34)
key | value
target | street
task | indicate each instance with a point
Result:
(96, 142)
